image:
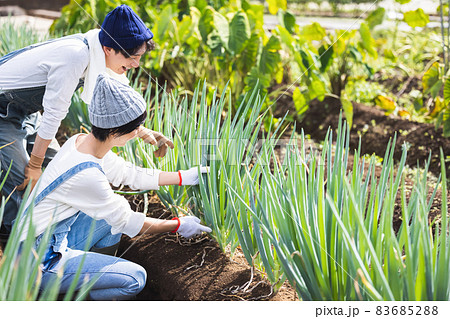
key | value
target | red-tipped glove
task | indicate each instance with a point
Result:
(190, 226)
(190, 176)
(155, 138)
(33, 171)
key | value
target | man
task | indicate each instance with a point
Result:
(44, 77)
(75, 189)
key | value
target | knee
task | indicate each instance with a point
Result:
(137, 280)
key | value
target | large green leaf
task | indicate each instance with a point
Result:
(184, 28)
(347, 106)
(436, 88)
(446, 122)
(417, 18)
(222, 27)
(326, 57)
(367, 41)
(201, 4)
(239, 32)
(255, 15)
(214, 42)
(295, 71)
(275, 5)
(206, 23)
(287, 21)
(403, 1)
(299, 101)
(257, 80)
(250, 54)
(270, 56)
(317, 89)
(431, 76)
(447, 91)
(342, 40)
(163, 25)
(376, 17)
(313, 32)
(286, 38)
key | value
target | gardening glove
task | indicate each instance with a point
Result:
(190, 226)
(155, 138)
(190, 176)
(33, 171)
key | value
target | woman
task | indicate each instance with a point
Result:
(44, 77)
(75, 189)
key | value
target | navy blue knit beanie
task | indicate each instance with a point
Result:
(123, 29)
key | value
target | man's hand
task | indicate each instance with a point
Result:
(155, 138)
(32, 172)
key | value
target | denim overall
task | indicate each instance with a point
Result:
(58, 242)
(19, 122)
(115, 278)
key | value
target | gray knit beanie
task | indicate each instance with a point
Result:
(114, 103)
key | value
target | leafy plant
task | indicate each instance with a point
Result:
(227, 144)
(416, 54)
(322, 63)
(77, 119)
(14, 36)
(83, 15)
(197, 40)
(435, 98)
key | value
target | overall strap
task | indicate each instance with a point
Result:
(64, 177)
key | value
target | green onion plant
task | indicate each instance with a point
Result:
(203, 135)
(332, 228)
(14, 36)
(308, 218)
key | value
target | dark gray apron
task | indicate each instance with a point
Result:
(19, 108)
(16, 104)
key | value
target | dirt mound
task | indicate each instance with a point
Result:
(200, 271)
(193, 270)
(376, 129)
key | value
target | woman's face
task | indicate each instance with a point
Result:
(119, 63)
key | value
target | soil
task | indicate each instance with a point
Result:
(376, 129)
(195, 269)
(399, 85)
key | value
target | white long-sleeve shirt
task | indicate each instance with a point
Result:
(89, 191)
(59, 66)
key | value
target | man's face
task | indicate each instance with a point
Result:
(119, 63)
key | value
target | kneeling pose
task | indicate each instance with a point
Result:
(74, 191)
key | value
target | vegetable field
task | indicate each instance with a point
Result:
(329, 152)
